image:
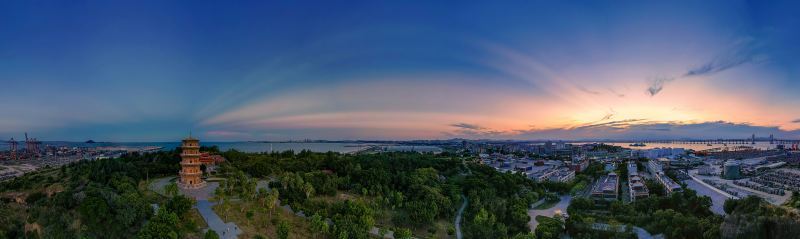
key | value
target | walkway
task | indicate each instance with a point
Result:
(225, 230)
(550, 212)
(458, 217)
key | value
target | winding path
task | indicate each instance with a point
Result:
(463, 205)
(458, 217)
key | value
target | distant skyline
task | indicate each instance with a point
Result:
(293, 70)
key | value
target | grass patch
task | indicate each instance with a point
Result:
(195, 215)
(193, 224)
(541, 218)
(261, 222)
(547, 205)
(436, 230)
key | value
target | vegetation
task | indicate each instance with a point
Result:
(680, 215)
(96, 199)
(548, 228)
(608, 148)
(411, 194)
(581, 182)
(793, 201)
(752, 217)
(420, 192)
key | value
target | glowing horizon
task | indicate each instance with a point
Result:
(399, 71)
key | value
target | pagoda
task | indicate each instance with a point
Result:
(190, 164)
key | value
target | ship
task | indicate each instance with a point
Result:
(637, 145)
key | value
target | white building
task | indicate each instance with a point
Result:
(657, 152)
(654, 167)
(636, 186)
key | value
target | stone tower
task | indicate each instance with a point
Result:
(190, 164)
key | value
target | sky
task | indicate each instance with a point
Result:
(381, 70)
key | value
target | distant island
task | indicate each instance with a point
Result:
(90, 141)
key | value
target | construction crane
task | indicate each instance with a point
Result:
(12, 148)
(32, 146)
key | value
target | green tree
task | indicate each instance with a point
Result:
(171, 189)
(272, 201)
(163, 225)
(211, 234)
(402, 233)
(95, 212)
(524, 236)
(283, 230)
(318, 225)
(548, 228)
(180, 205)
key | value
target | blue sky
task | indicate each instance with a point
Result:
(275, 70)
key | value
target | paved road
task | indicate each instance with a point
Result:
(458, 217)
(641, 233)
(225, 230)
(717, 196)
(561, 205)
(728, 195)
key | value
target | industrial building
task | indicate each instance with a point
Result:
(732, 170)
(32, 150)
(657, 153)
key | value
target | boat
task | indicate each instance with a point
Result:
(638, 145)
(709, 145)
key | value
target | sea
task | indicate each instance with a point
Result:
(257, 147)
(250, 147)
(697, 147)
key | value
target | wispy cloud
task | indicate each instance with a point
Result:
(610, 114)
(228, 134)
(642, 129)
(607, 116)
(620, 95)
(474, 130)
(796, 121)
(525, 66)
(467, 126)
(658, 84)
(588, 91)
(741, 52)
(613, 124)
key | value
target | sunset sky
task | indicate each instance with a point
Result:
(281, 70)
